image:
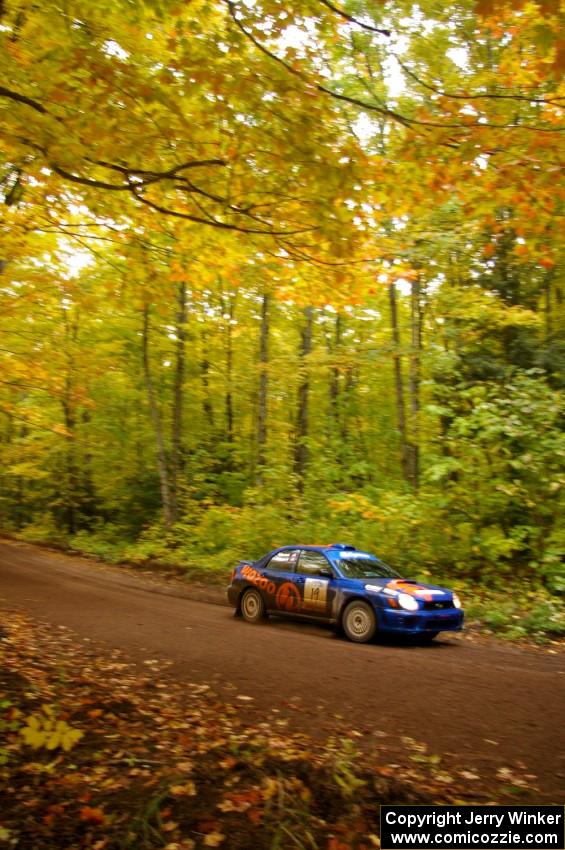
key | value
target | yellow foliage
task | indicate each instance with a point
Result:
(44, 730)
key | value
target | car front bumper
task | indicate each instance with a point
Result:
(420, 622)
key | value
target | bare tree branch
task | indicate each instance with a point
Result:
(353, 20)
(154, 176)
(223, 225)
(469, 96)
(88, 181)
(21, 98)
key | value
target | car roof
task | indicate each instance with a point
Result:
(322, 547)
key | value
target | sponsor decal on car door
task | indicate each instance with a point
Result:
(284, 592)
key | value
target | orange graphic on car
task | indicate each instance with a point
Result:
(254, 576)
(403, 586)
(288, 597)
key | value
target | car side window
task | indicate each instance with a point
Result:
(284, 561)
(311, 563)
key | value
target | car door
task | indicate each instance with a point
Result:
(282, 593)
(316, 590)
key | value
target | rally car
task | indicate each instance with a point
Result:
(340, 585)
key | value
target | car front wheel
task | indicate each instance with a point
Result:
(427, 637)
(359, 622)
(252, 606)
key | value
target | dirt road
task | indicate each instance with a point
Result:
(484, 706)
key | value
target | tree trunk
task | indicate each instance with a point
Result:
(301, 447)
(162, 469)
(87, 482)
(263, 385)
(71, 475)
(229, 373)
(204, 371)
(71, 496)
(549, 275)
(178, 400)
(415, 363)
(334, 377)
(399, 385)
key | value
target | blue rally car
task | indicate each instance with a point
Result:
(338, 584)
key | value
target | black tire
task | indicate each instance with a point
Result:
(359, 623)
(427, 637)
(252, 606)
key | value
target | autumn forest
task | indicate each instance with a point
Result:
(287, 272)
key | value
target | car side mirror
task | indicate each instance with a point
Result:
(325, 572)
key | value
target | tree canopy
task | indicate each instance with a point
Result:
(279, 261)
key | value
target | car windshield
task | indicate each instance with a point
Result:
(360, 565)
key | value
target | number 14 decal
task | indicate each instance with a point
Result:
(315, 593)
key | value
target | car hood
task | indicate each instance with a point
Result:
(425, 592)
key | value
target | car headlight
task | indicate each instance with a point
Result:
(373, 588)
(456, 601)
(407, 602)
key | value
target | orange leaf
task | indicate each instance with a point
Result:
(92, 815)
(335, 844)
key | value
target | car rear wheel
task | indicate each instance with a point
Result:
(252, 606)
(359, 622)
